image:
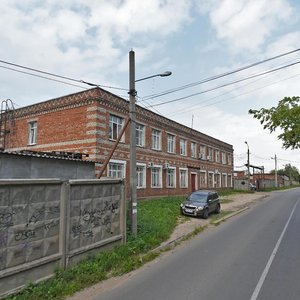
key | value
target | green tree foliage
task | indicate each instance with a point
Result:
(286, 116)
(290, 171)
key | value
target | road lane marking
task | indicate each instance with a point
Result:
(268, 266)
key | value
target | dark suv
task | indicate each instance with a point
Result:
(201, 203)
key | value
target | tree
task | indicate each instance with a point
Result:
(286, 116)
(290, 171)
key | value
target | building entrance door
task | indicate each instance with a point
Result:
(193, 182)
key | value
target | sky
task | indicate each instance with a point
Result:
(90, 40)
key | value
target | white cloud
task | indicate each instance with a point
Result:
(246, 24)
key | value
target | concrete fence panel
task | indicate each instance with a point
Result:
(49, 223)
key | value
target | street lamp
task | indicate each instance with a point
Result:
(248, 163)
(132, 115)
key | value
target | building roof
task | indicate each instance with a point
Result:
(51, 155)
(114, 101)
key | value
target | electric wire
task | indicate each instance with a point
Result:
(59, 76)
(229, 92)
(152, 96)
(242, 94)
(44, 77)
(225, 85)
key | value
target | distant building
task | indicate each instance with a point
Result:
(172, 159)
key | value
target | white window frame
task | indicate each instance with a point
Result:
(117, 162)
(143, 186)
(155, 139)
(213, 179)
(174, 178)
(113, 121)
(205, 178)
(229, 176)
(229, 159)
(202, 153)
(218, 160)
(140, 135)
(210, 154)
(32, 132)
(157, 167)
(186, 185)
(193, 149)
(223, 158)
(217, 184)
(182, 146)
(171, 143)
(224, 174)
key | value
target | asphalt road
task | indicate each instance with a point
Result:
(255, 255)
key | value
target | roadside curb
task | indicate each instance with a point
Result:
(230, 215)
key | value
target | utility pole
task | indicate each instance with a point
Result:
(248, 164)
(276, 176)
(132, 116)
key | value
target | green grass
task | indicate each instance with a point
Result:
(157, 218)
(222, 214)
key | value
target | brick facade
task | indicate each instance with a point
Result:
(81, 123)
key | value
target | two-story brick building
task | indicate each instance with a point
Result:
(172, 159)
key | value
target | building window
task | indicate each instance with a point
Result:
(140, 135)
(156, 139)
(171, 143)
(217, 180)
(141, 176)
(171, 178)
(229, 180)
(183, 174)
(183, 147)
(229, 160)
(115, 127)
(210, 179)
(210, 154)
(202, 179)
(116, 169)
(202, 154)
(218, 156)
(224, 158)
(156, 178)
(193, 149)
(224, 180)
(32, 133)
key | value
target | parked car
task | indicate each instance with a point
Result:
(201, 203)
(252, 187)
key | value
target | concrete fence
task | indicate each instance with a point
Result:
(49, 223)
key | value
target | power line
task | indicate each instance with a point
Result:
(233, 97)
(218, 76)
(44, 77)
(55, 75)
(228, 92)
(226, 84)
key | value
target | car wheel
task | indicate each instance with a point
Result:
(218, 209)
(205, 214)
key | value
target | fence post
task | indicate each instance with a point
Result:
(64, 212)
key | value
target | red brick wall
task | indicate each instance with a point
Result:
(84, 128)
